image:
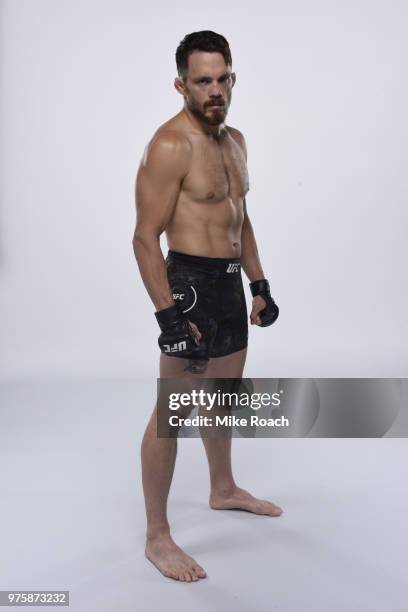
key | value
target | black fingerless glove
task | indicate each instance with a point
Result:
(177, 335)
(271, 311)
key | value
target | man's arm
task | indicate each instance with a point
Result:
(264, 310)
(158, 182)
(250, 261)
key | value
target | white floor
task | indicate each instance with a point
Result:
(72, 513)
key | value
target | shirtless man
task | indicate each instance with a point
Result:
(192, 183)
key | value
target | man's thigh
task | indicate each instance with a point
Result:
(228, 366)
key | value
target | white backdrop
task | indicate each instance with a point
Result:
(321, 97)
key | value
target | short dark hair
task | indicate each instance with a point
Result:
(206, 40)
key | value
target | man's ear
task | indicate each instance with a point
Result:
(234, 78)
(179, 85)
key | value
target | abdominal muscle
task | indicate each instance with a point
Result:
(206, 229)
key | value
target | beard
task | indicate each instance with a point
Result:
(209, 116)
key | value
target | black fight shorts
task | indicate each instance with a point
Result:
(209, 292)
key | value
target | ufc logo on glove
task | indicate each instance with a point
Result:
(176, 347)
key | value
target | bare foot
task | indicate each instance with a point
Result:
(239, 499)
(171, 561)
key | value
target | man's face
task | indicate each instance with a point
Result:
(208, 87)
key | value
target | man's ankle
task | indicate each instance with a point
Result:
(223, 489)
(157, 533)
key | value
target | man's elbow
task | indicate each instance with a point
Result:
(143, 239)
(136, 238)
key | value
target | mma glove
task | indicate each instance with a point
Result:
(177, 336)
(271, 311)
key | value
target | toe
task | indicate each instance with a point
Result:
(200, 571)
(173, 575)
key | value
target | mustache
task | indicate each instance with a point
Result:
(220, 103)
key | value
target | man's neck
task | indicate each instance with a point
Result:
(209, 130)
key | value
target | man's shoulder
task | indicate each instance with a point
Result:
(172, 131)
(169, 141)
(238, 136)
(168, 136)
(167, 152)
(235, 133)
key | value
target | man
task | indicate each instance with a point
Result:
(192, 184)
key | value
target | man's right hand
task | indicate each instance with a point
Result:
(179, 337)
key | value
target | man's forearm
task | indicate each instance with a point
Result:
(249, 252)
(152, 268)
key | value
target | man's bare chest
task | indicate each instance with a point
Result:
(217, 171)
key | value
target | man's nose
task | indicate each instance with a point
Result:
(215, 90)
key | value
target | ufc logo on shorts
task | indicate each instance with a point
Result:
(178, 296)
(176, 347)
(233, 267)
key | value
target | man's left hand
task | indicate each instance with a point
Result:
(258, 304)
